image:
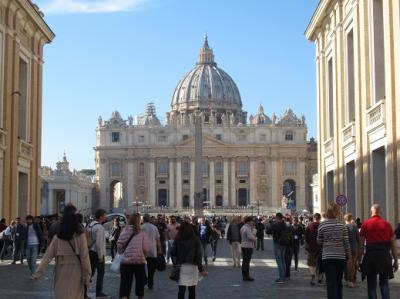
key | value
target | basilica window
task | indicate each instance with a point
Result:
(23, 103)
(243, 167)
(350, 93)
(185, 137)
(205, 168)
(162, 138)
(219, 169)
(290, 168)
(218, 136)
(263, 170)
(141, 139)
(289, 136)
(141, 169)
(162, 167)
(1, 75)
(115, 137)
(242, 137)
(116, 169)
(186, 168)
(378, 50)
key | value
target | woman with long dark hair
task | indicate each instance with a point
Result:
(187, 252)
(69, 247)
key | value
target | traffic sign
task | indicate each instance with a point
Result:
(341, 200)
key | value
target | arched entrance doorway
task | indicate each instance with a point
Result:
(289, 194)
(116, 194)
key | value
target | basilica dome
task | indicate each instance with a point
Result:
(206, 87)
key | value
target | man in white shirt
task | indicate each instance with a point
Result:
(97, 250)
(154, 249)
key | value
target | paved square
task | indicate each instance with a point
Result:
(223, 281)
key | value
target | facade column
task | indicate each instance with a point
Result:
(233, 200)
(212, 183)
(152, 183)
(50, 203)
(191, 195)
(130, 185)
(276, 198)
(104, 181)
(225, 199)
(301, 195)
(172, 198)
(178, 192)
(253, 182)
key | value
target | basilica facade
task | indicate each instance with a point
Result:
(248, 161)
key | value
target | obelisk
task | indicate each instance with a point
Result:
(198, 173)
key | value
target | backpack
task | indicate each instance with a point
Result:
(286, 237)
(91, 240)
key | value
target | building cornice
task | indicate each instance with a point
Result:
(317, 18)
(33, 12)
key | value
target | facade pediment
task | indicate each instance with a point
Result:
(207, 141)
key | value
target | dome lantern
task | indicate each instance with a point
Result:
(206, 55)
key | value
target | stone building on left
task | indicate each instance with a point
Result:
(23, 34)
(62, 186)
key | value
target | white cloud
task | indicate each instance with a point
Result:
(88, 6)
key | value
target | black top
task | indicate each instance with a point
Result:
(114, 233)
(276, 229)
(188, 252)
(260, 229)
(38, 232)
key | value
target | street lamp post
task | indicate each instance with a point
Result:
(137, 203)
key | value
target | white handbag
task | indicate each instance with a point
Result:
(116, 263)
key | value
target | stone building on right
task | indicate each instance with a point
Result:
(358, 98)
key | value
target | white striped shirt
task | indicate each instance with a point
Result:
(334, 237)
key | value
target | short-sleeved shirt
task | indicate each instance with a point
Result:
(152, 234)
(376, 230)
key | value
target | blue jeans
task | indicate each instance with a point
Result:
(204, 246)
(214, 243)
(18, 253)
(279, 252)
(383, 283)
(31, 256)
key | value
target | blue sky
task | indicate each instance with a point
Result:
(119, 54)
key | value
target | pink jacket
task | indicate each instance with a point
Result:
(138, 247)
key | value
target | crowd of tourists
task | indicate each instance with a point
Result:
(336, 249)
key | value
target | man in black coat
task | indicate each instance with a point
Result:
(260, 234)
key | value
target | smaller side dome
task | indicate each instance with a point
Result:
(260, 118)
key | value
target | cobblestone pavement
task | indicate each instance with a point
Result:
(223, 280)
